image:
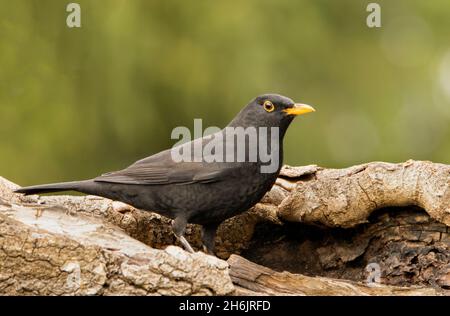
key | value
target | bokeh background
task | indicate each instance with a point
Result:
(78, 102)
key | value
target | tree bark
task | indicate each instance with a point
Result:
(251, 278)
(346, 197)
(318, 224)
(45, 250)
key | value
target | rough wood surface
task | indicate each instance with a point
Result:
(43, 237)
(50, 251)
(346, 197)
(251, 277)
(407, 245)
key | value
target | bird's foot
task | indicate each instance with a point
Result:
(178, 227)
(185, 244)
(208, 251)
(208, 236)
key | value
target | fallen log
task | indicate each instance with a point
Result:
(346, 197)
(250, 277)
(411, 245)
(53, 252)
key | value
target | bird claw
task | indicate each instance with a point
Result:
(208, 251)
(185, 244)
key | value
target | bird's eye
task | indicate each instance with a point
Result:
(268, 106)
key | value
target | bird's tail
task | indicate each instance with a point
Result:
(53, 187)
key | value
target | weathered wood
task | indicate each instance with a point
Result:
(49, 251)
(251, 277)
(45, 235)
(346, 197)
(406, 245)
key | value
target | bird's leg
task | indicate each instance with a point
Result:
(178, 227)
(208, 235)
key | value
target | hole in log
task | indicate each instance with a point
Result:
(408, 246)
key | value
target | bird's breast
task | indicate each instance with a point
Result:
(223, 200)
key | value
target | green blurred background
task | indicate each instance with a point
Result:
(78, 102)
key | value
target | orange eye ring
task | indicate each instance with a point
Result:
(268, 106)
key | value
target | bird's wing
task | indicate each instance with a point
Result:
(161, 169)
(182, 173)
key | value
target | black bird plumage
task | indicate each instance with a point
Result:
(205, 193)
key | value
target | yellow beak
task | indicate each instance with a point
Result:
(299, 109)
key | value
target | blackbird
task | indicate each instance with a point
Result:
(208, 190)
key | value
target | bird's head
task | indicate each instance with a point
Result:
(270, 110)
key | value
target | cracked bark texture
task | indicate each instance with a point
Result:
(407, 246)
(346, 197)
(53, 252)
(314, 221)
(251, 278)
